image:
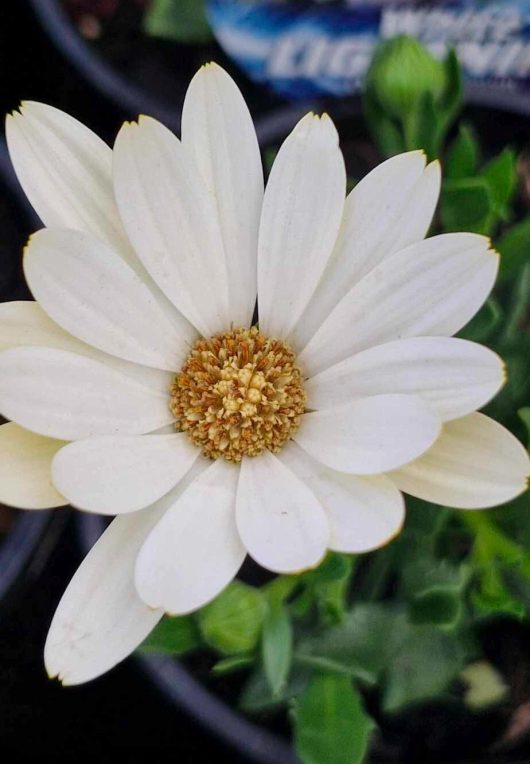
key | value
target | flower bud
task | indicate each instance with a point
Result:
(402, 72)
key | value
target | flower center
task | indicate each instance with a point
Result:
(237, 394)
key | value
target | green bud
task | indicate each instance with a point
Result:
(232, 623)
(402, 73)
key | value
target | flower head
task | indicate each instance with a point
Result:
(138, 384)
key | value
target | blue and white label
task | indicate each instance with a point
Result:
(307, 48)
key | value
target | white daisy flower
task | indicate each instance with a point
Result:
(139, 359)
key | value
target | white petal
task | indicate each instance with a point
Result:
(66, 172)
(389, 209)
(218, 132)
(93, 294)
(369, 435)
(112, 475)
(171, 221)
(475, 463)
(302, 210)
(67, 396)
(363, 512)
(194, 551)
(431, 288)
(25, 323)
(280, 521)
(100, 619)
(455, 376)
(25, 469)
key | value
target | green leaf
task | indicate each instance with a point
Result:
(501, 174)
(466, 205)
(452, 98)
(494, 597)
(424, 663)
(232, 664)
(514, 249)
(435, 589)
(330, 585)
(462, 157)
(524, 416)
(269, 155)
(179, 20)
(384, 131)
(483, 325)
(519, 310)
(257, 696)
(232, 623)
(424, 128)
(330, 723)
(277, 647)
(173, 636)
(360, 643)
(334, 667)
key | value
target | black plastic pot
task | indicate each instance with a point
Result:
(182, 690)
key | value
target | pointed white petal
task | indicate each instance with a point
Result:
(363, 512)
(25, 469)
(171, 221)
(194, 551)
(431, 288)
(454, 376)
(369, 435)
(302, 210)
(66, 172)
(100, 619)
(65, 395)
(475, 463)
(391, 208)
(217, 130)
(26, 324)
(280, 521)
(92, 293)
(112, 475)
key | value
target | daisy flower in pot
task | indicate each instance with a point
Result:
(230, 370)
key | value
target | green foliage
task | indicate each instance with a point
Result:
(434, 591)
(483, 325)
(463, 155)
(277, 646)
(182, 21)
(402, 73)
(232, 664)
(514, 249)
(330, 724)
(467, 205)
(424, 661)
(411, 99)
(232, 623)
(173, 636)
(257, 696)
